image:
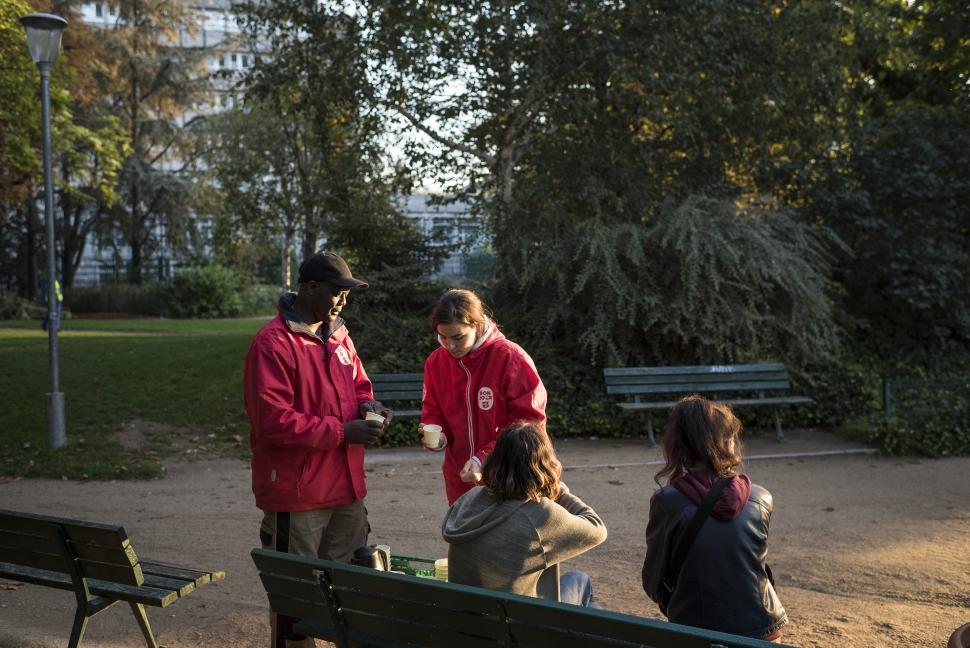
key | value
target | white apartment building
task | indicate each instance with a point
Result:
(217, 34)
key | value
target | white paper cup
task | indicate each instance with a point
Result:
(432, 435)
(374, 416)
(441, 569)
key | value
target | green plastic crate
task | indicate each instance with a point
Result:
(413, 566)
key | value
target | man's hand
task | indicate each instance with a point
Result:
(377, 407)
(472, 471)
(362, 432)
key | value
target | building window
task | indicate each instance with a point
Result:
(233, 60)
(222, 60)
(245, 60)
(224, 101)
(111, 10)
(98, 10)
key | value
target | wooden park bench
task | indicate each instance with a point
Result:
(96, 561)
(358, 606)
(736, 385)
(403, 388)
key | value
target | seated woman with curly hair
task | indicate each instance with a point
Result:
(511, 533)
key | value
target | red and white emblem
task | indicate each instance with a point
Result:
(485, 398)
(343, 356)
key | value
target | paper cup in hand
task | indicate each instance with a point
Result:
(374, 416)
(432, 435)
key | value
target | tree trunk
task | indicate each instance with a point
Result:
(286, 261)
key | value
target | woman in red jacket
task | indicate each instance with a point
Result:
(475, 385)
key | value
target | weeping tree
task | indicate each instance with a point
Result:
(707, 281)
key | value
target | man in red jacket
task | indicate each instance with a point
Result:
(307, 396)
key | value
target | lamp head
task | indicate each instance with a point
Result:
(43, 36)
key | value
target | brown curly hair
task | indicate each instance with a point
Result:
(523, 465)
(701, 432)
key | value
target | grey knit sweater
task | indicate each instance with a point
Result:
(510, 545)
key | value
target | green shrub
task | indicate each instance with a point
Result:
(13, 307)
(205, 292)
(259, 299)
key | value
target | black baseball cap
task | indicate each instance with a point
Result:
(327, 266)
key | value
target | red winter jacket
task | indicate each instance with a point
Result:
(473, 398)
(299, 391)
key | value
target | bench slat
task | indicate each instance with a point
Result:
(419, 634)
(384, 378)
(686, 388)
(313, 629)
(178, 585)
(406, 413)
(467, 619)
(30, 526)
(303, 590)
(121, 556)
(174, 571)
(739, 402)
(527, 634)
(156, 596)
(283, 564)
(392, 395)
(96, 536)
(692, 369)
(409, 588)
(693, 379)
(37, 560)
(35, 544)
(127, 575)
(299, 609)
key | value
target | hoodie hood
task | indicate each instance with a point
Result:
(475, 513)
(286, 306)
(731, 501)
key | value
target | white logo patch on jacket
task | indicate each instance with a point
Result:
(343, 356)
(485, 398)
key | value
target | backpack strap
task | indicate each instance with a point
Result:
(680, 552)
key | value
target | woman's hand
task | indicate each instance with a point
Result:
(442, 441)
(472, 471)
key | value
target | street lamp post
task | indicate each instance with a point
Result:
(44, 42)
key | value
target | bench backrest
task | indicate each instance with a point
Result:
(354, 606)
(755, 378)
(101, 551)
(397, 387)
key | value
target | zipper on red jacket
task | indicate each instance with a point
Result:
(468, 408)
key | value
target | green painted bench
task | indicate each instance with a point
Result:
(97, 562)
(356, 606)
(406, 388)
(659, 388)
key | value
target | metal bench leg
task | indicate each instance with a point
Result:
(779, 435)
(80, 625)
(653, 441)
(139, 611)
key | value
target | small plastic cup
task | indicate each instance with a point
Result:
(374, 416)
(441, 569)
(432, 435)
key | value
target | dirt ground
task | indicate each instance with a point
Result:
(867, 550)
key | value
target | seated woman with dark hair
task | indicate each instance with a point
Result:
(511, 533)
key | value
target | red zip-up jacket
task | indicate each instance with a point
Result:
(299, 391)
(475, 397)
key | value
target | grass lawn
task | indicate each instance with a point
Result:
(183, 374)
